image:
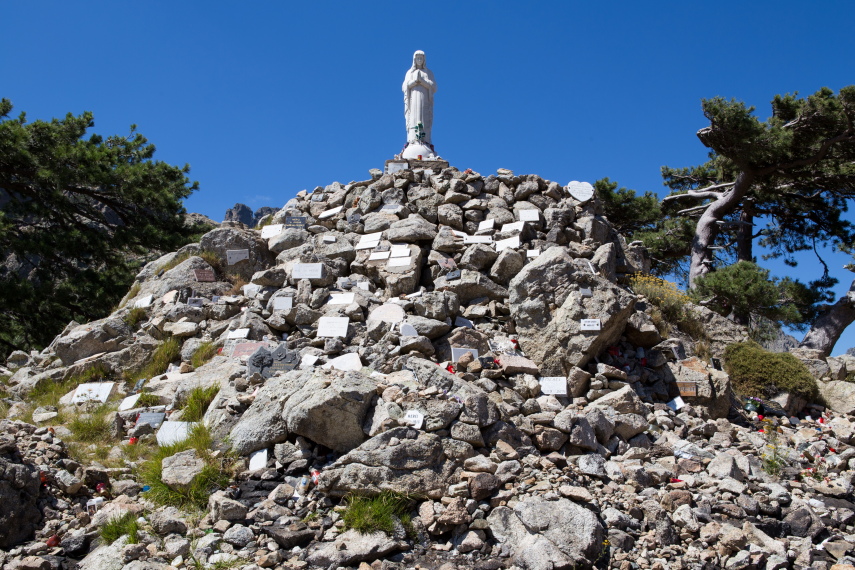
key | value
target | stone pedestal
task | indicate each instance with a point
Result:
(415, 164)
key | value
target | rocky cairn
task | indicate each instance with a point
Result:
(468, 342)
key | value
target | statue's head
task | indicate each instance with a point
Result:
(419, 59)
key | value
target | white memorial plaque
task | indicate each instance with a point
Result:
(379, 255)
(529, 215)
(556, 385)
(307, 271)
(173, 432)
(396, 167)
(400, 251)
(330, 213)
(586, 292)
(460, 234)
(308, 360)
(408, 330)
(329, 239)
(590, 324)
(283, 303)
(415, 418)
(532, 253)
(271, 230)
(239, 333)
(258, 460)
(129, 402)
(676, 403)
(581, 191)
(332, 326)
(369, 241)
(93, 392)
(349, 362)
(236, 255)
(341, 298)
(478, 239)
(363, 285)
(399, 262)
(144, 302)
(506, 243)
(514, 227)
(486, 224)
(456, 353)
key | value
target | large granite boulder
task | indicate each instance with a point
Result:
(402, 460)
(548, 300)
(548, 535)
(80, 341)
(325, 406)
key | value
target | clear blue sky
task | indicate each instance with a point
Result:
(264, 99)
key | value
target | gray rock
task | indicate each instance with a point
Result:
(430, 328)
(19, 493)
(224, 508)
(81, 341)
(506, 266)
(548, 535)
(238, 535)
(350, 548)
(624, 401)
(592, 464)
(180, 469)
(471, 285)
(401, 460)
(322, 405)
(167, 520)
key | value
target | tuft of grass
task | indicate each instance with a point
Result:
(210, 257)
(132, 292)
(147, 400)
(197, 403)
(166, 353)
(213, 476)
(48, 393)
(135, 316)
(773, 458)
(91, 427)
(758, 373)
(117, 527)
(205, 352)
(380, 512)
(237, 284)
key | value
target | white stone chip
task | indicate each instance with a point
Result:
(308, 360)
(349, 362)
(144, 302)
(330, 213)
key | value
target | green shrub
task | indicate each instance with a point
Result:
(214, 475)
(671, 306)
(205, 352)
(135, 316)
(210, 257)
(117, 527)
(762, 374)
(370, 514)
(197, 403)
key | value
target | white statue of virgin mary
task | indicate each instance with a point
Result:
(419, 87)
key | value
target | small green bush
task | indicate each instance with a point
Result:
(115, 528)
(210, 257)
(205, 352)
(370, 514)
(197, 403)
(134, 317)
(762, 374)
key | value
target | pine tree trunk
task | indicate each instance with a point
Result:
(707, 228)
(831, 323)
(745, 233)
